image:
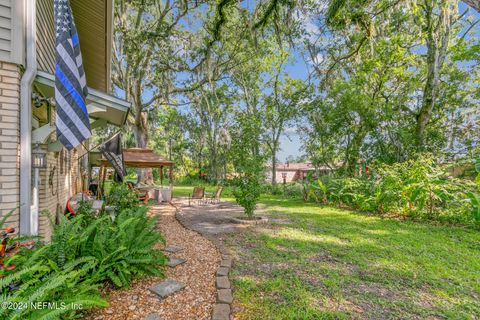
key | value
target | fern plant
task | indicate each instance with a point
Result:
(126, 249)
(123, 248)
(43, 280)
(85, 251)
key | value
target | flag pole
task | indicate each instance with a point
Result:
(98, 145)
(79, 158)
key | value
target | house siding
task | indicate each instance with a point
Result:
(9, 141)
(52, 197)
(5, 30)
(45, 36)
(54, 194)
(279, 179)
(91, 25)
(11, 31)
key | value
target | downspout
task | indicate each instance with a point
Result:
(26, 118)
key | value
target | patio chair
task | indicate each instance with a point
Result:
(198, 194)
(142, 195)
(214, 197)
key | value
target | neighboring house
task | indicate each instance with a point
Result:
(27, 114)
(293, 171)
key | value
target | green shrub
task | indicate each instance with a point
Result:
(40, 280)
(417, 188)
(125, 247)
(191, 180)
(37, 278)
(247, 192)
(474, 197)
(121, 197)
(293, 190)
(475, 203)
(275, 190)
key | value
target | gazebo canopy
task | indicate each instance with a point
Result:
(141, 158)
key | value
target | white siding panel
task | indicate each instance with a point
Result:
(5, 23)
(6, 31)
(5, 11)
(45, 36)
(5, 39)
(11, 39)
(5, 34)
(4, 43)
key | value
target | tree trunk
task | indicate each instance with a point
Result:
(430, 93)
(353, 153)
(274, 167)
(170, 149)
(438, 35)
(140, 130)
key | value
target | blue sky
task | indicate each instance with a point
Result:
(291, 145)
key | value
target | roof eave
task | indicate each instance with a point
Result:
(96, 97)
(108, 45)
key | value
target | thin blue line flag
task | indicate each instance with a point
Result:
(73, 125)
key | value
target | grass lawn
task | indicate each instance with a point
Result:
(329, 263)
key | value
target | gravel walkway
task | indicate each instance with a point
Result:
(196, 301)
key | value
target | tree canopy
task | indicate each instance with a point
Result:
(356, 80)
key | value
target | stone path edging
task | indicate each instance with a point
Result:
(222, 309)
(259, 220)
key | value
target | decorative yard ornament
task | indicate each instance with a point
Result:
(72, 121)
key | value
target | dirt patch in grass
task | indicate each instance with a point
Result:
(323, 256)
(374, 289)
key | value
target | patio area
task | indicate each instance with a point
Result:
(213, 221)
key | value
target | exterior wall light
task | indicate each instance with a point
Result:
(39, 158)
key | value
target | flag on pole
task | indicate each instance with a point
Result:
(113, 152)
(73, 125)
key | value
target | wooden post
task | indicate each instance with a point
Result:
(161, 175)
(101, 181)
(98, 185)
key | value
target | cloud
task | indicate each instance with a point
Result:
(290, 130)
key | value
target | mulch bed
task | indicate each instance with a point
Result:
(196, 301)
